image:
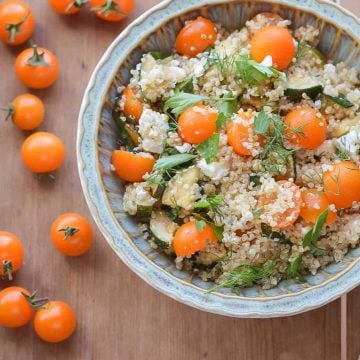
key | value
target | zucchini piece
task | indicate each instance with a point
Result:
(182, 189)
(343, 127)
(297, 85)
(162, 230)
(157, 190)
(143, 212)
(306, 53)
(290, 170)
(128, 136)
(341, 100)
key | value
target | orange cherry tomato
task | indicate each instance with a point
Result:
(55, 322)
(17, 22)
(305, 127)
(11, 254)
(197, 123)
(133, 106)
(188, 239)
(286, 216)
(15, 309)
(241, 136)
(27, 111)
(112, 10)
(313, 204)
(37, 68)
(71, 234)
(195, 37)
(342, 184)
(43, 152)
(67, 7)
(275, 41)
(131, 167)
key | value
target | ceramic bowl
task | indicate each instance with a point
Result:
(97, 137)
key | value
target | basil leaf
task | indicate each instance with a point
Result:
(227, 104)
(209, 148)
(262, 123)
(181, 101)
(293, 269)
(200, 225)
(341, 100)
(313, 234)
(169, 162)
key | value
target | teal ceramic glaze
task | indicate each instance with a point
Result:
(156, 30)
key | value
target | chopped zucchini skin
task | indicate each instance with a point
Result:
(144, 212)
(341, 100)
(162, 230)
(343, 127)
(307, 52)
(125, 136)
(157, 190)
(295, 94)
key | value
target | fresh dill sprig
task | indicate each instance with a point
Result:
(212, 203)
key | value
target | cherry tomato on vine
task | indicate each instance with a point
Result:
(17, 22)
(196, 36)
(67, 7)
(55, 322)
(71, 234)
(112, 10)
(11, 254)
(27, 112)
(42, 152)
(37, 68)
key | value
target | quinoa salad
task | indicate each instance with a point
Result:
(240, 152)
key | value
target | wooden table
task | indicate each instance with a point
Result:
(119, 316)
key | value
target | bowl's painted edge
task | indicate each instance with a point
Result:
(155, 276)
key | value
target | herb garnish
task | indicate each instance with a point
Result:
(123, 132)
(269, 233)
(314, 233)
(181, 101)
(185, 86)
(200, 225)
(293, 269)
(341, 100)
(212, 203)
(209, 148)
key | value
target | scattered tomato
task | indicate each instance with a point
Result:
(195, 37)
(27, 112)
(71, 234)
(131, 167)
(37, 68)
(275, 41)
(112, 10)
(133, 106)
(17, 22)
(313, 204)
(67, 7)
(342, 184)
(15, 309)
(11, 254)
(197, 123)
(188, 239)
(305, 127)
(55, 322)
(285, 217)
(42, 152)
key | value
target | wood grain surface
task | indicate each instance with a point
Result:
(119, 316)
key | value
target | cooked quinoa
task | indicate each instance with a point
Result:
(247, 197)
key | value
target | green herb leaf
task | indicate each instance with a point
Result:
(341, 100)
(182, 101)
(157, 55)
(186, 86)
(257, 211)
(313, 234)
(209, 202)
(200, 225)
(252, 72)
(227, 104)
(218, 230)
(318, 251)
(269, 233)
(262, 123)
(293, 269)
(209, 148)
(221, 121)
(169, 162)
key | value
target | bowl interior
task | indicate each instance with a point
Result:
(333, 42)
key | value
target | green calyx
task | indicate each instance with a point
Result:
(7, 270)
(109, 7)
(76, 3)
(37, 59)
(13, 29)
(69, 231)
(34, 302)
(10, 111)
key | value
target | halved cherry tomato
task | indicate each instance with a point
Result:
(55, 322)
(15, 309)
(37, 68)
(288, 211)
(196, 36)
(342, 184)
(27, 112)
(188, 239)
(133, 107)
(67, 7)
(71, 234)
(42, 152)
(197, 123)
(241, 136)
(275, 41)
(131, 167)
(305, 127)
(11, 254)
(112, 10)
(17, 22)
(313, 204)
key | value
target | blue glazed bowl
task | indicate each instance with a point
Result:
(97, 137)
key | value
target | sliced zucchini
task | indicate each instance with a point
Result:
(307, 53)
(341, 100)
(157, 190)
(297, 85)
(162, 230)
(127, 135)
(143, 212)
(182, 189)
(343, 127)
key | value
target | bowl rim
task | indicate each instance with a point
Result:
(261, 311)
